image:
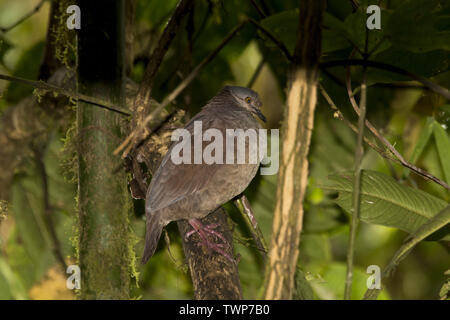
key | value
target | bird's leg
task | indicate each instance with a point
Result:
(204, 231)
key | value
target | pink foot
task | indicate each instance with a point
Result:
(204, 232)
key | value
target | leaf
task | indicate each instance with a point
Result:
(438, 222)
(386, 202)
(443, 147)
(27, 67)
(416, 25)
(15, 284)
(355, 29)
(426, 64)
(303, 290)
(423, 140)
(284, 26)
(331, 287)
(5, 45)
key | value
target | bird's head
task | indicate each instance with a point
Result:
(247, 99)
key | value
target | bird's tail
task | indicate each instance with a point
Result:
(154, 227)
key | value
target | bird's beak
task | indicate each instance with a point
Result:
(260, 114)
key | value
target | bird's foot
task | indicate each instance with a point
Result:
(204, 232)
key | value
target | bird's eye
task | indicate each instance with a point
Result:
(248, 99)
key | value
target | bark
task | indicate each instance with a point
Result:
(296, 133)
(102, 189)
(214, 277)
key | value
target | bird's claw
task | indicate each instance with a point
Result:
(204, 231)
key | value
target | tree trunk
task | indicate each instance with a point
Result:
(296, 133)
(103, 199)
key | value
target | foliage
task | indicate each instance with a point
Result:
(415, 36)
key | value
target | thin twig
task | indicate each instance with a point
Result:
(260, 12)
(274, 39)
(246, 210)
(41, 85)
(340, 116)
(142, 100)
(25, 17)
(388, 145)
(356, 200)
(255, 75)
(140, 131)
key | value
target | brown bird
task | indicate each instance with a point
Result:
(191, 191)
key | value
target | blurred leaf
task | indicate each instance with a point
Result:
(414, 26)
(426, 64)
(284, 26)
(5, 45)
(27, 67)
(386, 202)
(445, 107)
(303, 290)
(154, 12)
(443, 148)
(422, 140)
(322, 218)
(355, 31)
(434, 225)
(315, 249)
(16, 286)
(444, 293)
(332, 285)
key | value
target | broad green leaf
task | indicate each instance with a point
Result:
(415, 26)
(386, 202)
(443, 147)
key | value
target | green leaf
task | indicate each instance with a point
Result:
(439, 222)
(27, 67)
(5, 45)
(355, 29)
(426, 64)
(443, 147)
(15, 284)
(284, 26)
(386, 202)
(303, 290)
(416, 26)
(331, 285)
(423, 140)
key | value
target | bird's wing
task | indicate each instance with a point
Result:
(172, 182)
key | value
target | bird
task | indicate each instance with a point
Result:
(191, 191)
